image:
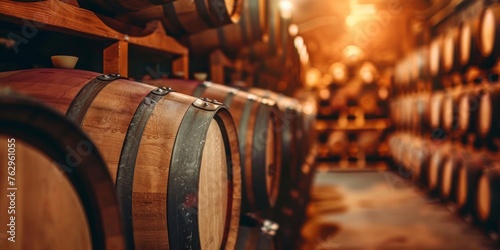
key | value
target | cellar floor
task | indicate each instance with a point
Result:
(376, 209)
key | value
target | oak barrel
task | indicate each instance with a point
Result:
(59, 192)
(488, 191)
(272, 43)
(252, 27)
(489, 35)
(488, 122)
(436, 167)
(435, 54)
(451, 50)
(292, 135)
(174, 158)
(468, 43)
(191, 16)
(469, 172)
(451, 172)
(259, 129)
(468, 105)
(434, 109)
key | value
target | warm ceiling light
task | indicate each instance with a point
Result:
(363, 9)
(298, 42)
(293, 29)
(352, 54)
(350, 21)
(303, 50)
(338, 71)
(313, 76)
(286, 8)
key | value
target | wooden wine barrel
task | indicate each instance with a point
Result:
(292, 133)
(59, 191)
(451, 172)
(487, 122)
(174, 158)
(449, 110)
(272, 42)
(451, 50)
(191, 16)
(469, 44)
(412, 157)
(423, 155)
(290, 107)
(423, 100)
(488, 191)
(121, 5)
(259, 129)
(469, 172)
(489, 35)
(252, 27)
(435, 109)
(435, 51)
(468, 104)
(436, 166)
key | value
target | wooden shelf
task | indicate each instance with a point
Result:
(68, 18)
(219, 62)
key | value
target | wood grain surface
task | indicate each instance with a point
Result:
(49, 214)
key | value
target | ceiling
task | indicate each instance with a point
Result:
(380, 31)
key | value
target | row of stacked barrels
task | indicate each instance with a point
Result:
(461, 176)
(115, 164)
(230, 25)
(473, 43)
(463, 112)
(446, 139)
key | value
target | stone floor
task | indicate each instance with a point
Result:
(375, 209)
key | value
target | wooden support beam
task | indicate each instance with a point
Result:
(116, 58)
(217, 63)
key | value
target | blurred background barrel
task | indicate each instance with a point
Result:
(252, 27)
(489, 35)
(272, 43)
(487, 203)
(469, 44)
(292, 140)
(165, 192)
(56, 180)
(451, 50)
(191, 16)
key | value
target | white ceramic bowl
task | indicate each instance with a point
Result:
(200, 76)
(64, 62)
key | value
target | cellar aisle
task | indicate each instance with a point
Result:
(379, 210)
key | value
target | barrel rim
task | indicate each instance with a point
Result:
(192, 129)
